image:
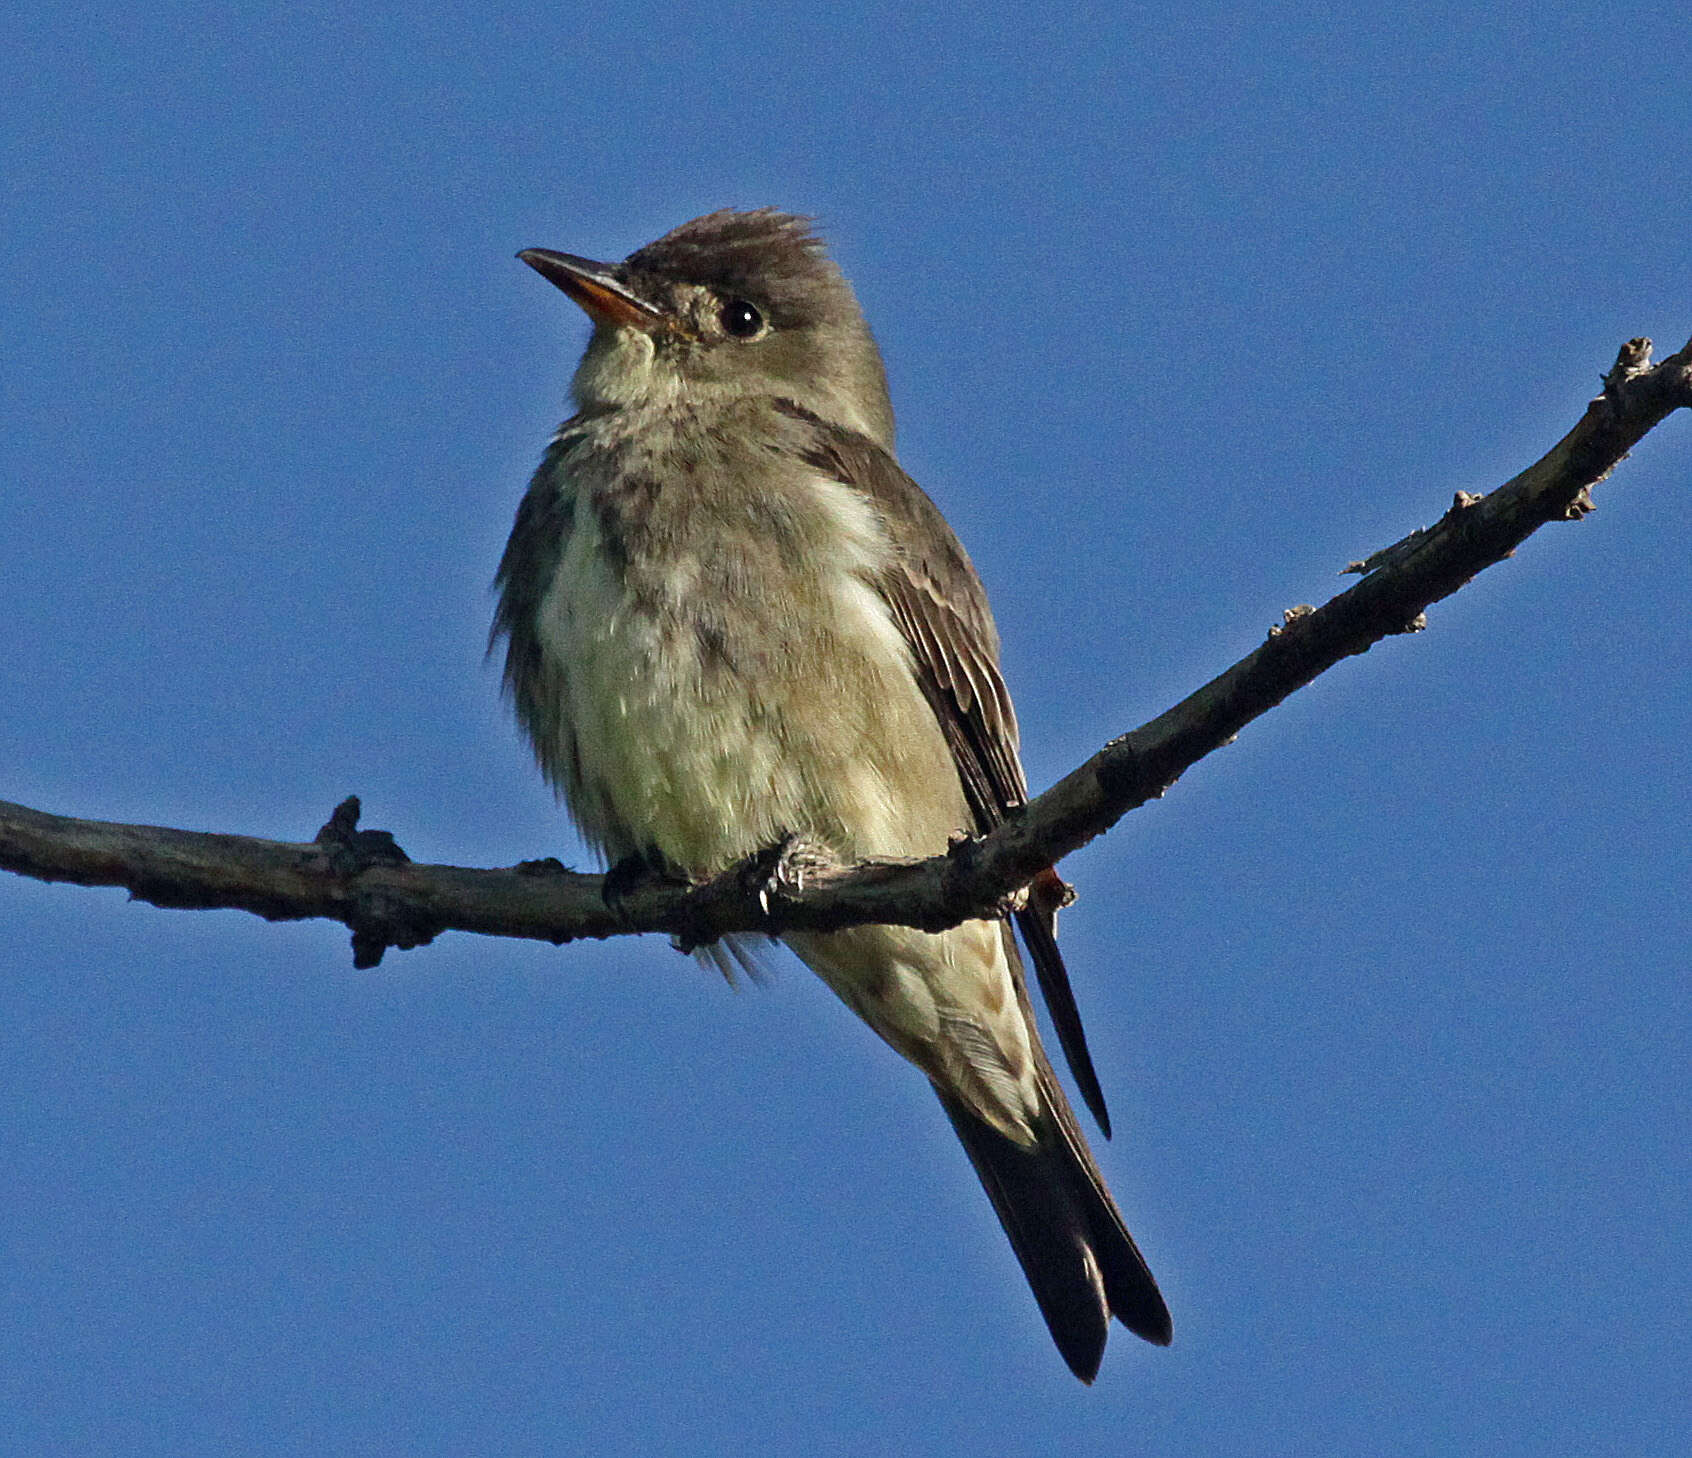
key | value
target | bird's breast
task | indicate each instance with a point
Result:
(730, 672)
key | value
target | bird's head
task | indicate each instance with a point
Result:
(728, 306)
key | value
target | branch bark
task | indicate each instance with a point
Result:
(360, 878)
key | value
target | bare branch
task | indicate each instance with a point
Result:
(363, 880)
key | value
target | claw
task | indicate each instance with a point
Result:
(780, 870)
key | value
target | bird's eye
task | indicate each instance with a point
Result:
(740, 320)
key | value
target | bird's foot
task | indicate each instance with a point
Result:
(780, 870)
(634, 873)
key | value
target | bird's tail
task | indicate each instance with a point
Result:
(1066, 1230)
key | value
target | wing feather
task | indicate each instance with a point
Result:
(941, 609)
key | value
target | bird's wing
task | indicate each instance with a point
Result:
(939, 605)
(526, 571)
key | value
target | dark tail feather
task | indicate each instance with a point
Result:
(1066, 1230)
(1039, 934)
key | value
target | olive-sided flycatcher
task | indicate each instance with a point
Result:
(730, 619)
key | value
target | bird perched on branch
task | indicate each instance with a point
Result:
(731, 619)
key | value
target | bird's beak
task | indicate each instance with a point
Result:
(591, 285)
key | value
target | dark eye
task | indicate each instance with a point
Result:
(740, 320)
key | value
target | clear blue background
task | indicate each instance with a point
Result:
(1184, 309)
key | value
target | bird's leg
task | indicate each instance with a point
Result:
(635, 872)
(780, 869)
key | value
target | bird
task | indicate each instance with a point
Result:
(732, 621)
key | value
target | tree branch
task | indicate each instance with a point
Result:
(360, 878)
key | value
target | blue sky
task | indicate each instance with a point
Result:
(1183, 310)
